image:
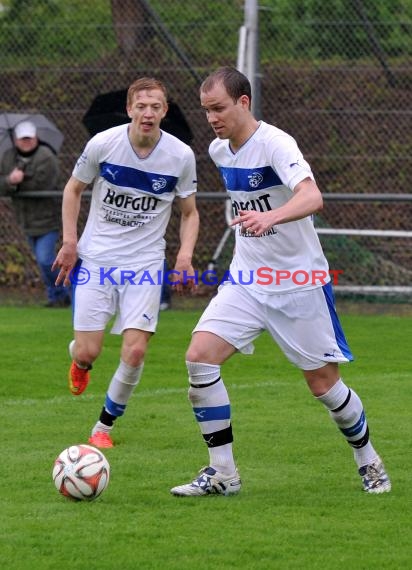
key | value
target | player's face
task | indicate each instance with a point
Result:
(147, 109)
(225, 116)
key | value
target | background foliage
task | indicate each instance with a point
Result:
(336, 75)
(343, 38)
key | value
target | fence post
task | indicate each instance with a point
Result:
(248, 52)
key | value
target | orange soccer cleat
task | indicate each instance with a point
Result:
(78, 379)
(101, 439)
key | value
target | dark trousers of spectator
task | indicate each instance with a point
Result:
(44, 250)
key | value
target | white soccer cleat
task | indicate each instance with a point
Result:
(374, 477)
(209, 482)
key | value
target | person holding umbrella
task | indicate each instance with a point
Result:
(116, 267)
(30, 166)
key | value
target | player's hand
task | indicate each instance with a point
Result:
(183, 278)
(255, 223)
(65, 260)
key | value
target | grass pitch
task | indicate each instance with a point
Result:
(301, 505)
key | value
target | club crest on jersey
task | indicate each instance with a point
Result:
(255, 179)
(158, 184)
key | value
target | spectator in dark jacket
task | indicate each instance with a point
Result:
(33, 167)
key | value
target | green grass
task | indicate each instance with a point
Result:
(300, 507)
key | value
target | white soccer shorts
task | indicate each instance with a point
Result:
(304, 323)
(132, 295)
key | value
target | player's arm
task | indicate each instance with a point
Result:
(188, 232)
(306, 200)
(67, 255)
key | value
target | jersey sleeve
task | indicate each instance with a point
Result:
(87, 166)
(288, 161)
(187, 182)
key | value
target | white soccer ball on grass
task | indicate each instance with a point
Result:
(81, 472)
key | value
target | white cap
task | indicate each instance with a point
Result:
(25, 129)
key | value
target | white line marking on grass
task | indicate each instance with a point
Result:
(160, 392)
(143, 393)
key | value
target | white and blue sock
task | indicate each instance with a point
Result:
(346, 410)
(121, 387)
(211, 407)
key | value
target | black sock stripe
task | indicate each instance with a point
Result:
(344, 403)
(360, 442)
(205, 385)
(218, 438)
(106, 418)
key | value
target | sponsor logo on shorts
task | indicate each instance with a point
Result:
(147, 317)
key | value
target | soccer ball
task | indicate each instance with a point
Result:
(81, 472)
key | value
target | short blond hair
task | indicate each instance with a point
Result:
(145, 84)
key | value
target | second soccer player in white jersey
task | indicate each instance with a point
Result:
(278, 281)
(116, 267)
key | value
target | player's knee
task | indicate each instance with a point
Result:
(194, 354)
(133, 354)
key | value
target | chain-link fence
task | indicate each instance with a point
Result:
(336, 75)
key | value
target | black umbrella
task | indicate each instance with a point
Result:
(47, 132)
(109, 110)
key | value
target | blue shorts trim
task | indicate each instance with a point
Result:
(337, 327)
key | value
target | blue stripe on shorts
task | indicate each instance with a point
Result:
(337, 327)
(74, 283)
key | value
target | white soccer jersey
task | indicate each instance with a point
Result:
(261, 176)
(131, 197)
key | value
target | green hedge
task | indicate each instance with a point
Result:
(55, 30)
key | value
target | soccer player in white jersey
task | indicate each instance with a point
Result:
(274, 195)
(116, 267)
